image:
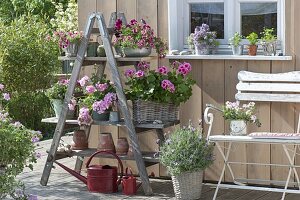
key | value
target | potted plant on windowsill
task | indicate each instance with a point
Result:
(156, 94)
(239, 116)
(235, 44)
(137, 39)
(186, 154)
(253, 39)
(204, 40)
(269, 42)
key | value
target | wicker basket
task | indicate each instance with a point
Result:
(148, 111)
(188, 185)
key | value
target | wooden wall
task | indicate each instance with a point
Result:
(215, 83)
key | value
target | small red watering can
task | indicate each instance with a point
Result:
(129, 186)
(103, 179)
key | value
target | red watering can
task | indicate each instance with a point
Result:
(129, 186)
(103, 179)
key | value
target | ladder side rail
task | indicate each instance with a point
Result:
(62, 118)
(123, 104)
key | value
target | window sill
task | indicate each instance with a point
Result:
(228, 57)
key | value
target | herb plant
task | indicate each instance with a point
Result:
(236, 39)
(252, 38)
(268, 35)
(186, 151)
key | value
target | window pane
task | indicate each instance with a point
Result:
(256, 16)
(208, 13)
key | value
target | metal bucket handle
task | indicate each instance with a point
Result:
(111, 153)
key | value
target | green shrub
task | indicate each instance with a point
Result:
(28, 62)
(27, 59)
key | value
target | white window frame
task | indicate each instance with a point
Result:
(179, 16)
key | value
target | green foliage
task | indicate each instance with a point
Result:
(233, 111)
(236, 39)
(17, 146)
(186, 151)
(29, 108)
(252, 38)
(268, 35)
(43, 9)
(27, 60)
(149, 87)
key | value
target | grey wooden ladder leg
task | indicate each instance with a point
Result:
(62, 118)
(123, 106)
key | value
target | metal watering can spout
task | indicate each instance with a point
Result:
(72, 172)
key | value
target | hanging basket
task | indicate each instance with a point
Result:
(149, 111)
(188, 185)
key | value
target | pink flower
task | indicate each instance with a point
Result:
(129, 73)
(143, 65)
(84, 117)
(162, 70)
(101, 87)
(133, 22)
(72, 104)
(118, 24)
(1, 87)
(6, 96)
(83, 81)
(90, 89)
(64, 81)
(187, 66)
(182, 70)
(139, 74)
(168, 85)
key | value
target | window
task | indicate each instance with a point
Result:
(225, 17)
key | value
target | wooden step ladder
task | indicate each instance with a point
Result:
(122, 101)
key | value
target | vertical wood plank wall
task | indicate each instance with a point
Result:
(215, 83)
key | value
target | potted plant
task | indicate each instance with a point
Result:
(56, 95)
(253, 39)
(235, 44)
(65, 23)
(204, 40)
(239, 116)
(99, 97)
(269, 42)
(186, 154)
(156, 94)
(137, 39)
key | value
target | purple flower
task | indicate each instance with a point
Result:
(90, 89)
(35, 139)
(133, 22)
(129, 73)
(163, 70)
(101, 87)
(33, 197)
(103, 105)
(6, 96)
(118, 24)
(1, 87)
(187, 66)
(139, 74)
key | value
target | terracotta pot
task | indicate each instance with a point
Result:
(122, 146)
(106, 142)
(252, 49)
(80, 140)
